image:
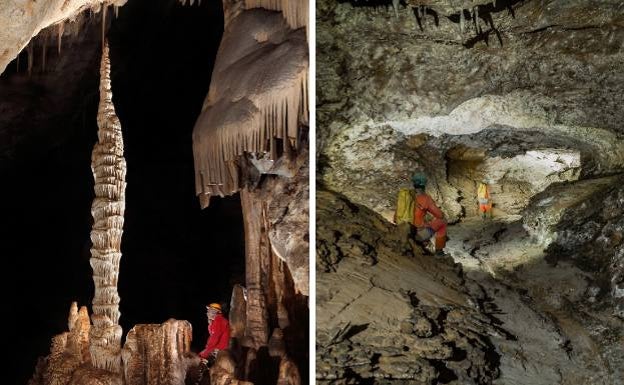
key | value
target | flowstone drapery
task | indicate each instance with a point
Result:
(256, 103)
(254, 122)
(109, 172)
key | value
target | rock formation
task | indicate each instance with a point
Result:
(24, 19)
(256, 101)
(157, 354)
(251, 138)
(109, 172)
(386, 311)
(152, 354)
(518, 94)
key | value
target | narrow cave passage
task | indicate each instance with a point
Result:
(176, 257)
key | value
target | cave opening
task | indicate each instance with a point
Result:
(176, 257)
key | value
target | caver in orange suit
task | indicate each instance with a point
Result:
(424, 205)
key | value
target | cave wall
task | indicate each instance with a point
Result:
(22, 20)
(251, 138)
(395, 89)
(517, 93)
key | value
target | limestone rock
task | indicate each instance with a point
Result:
(398, 94)
(22, 20)
(109, 171)
(408, 317)
(257, 99)
(157, 354)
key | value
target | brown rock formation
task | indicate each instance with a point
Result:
(222, 372)
(256, 102)
(109, 172)
(23, 20)
(157, 354)
(68, 351)
(253, 122)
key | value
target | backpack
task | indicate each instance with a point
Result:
(405, 205)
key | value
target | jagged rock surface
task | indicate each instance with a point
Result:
(24, 19)
(256, 103)
(251, 136)
(517, 93)
(387, 86)
(545, 324)
(386, 311)
(584, 223)
(158, 354)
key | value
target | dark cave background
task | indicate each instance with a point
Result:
(176, 257)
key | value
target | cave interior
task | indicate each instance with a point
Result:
(177, 257)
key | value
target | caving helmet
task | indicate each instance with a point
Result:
(419, 180)
(214, 306)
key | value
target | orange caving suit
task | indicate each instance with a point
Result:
(424, 205)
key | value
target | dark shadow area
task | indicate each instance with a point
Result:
(176, 257)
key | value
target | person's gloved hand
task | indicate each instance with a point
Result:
(203, 361)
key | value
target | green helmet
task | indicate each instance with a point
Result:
(419, 180)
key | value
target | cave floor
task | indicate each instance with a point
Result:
(558, 341)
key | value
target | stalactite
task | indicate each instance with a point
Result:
(476, 13)
(116, 11)
(280, 115)
(295, 11)
(61, 29)
(43, 51)
(31, 53)
(395, 5)
(109, 169)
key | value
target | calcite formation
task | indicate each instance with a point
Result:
(22, 20)
(158, 354)
(152, 355)
(257, 100)
(109, 172)
(253, 123)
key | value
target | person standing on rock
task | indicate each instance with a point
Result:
(483, 196)
(424, 205)
(219, 329)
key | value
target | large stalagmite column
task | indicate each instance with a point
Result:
(257, 327)
(109, 171)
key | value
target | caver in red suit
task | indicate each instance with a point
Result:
(219, 339)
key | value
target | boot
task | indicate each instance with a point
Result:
(440, 243)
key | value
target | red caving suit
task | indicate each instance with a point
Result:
(219, 330)
(424, 205)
